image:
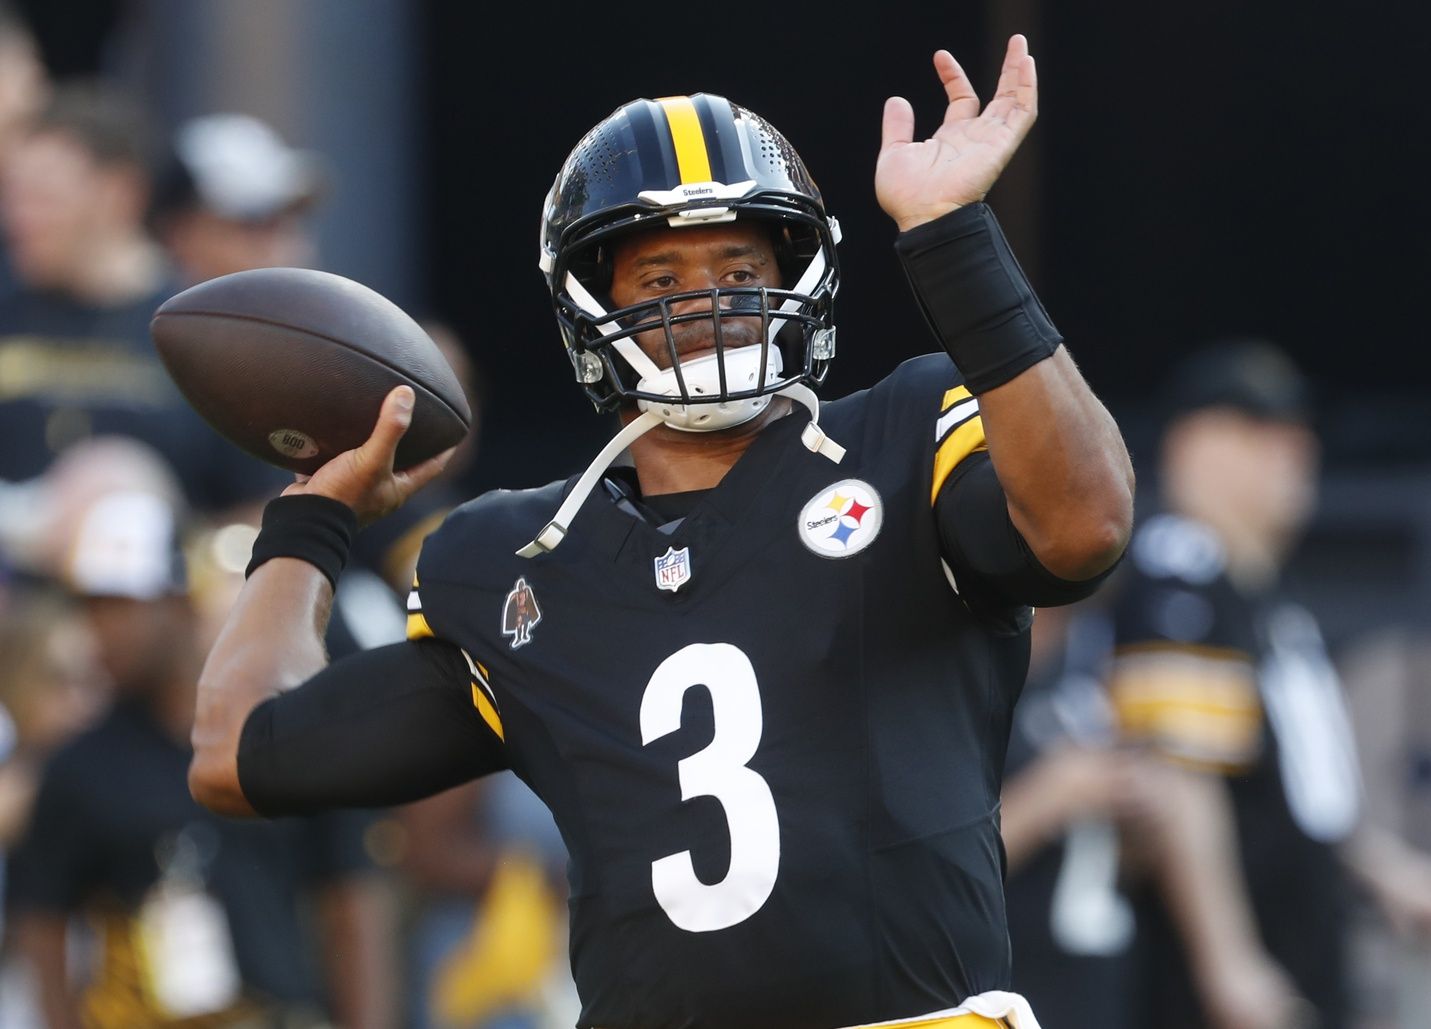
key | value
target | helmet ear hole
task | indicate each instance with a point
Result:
(591, 266)
(786, 258)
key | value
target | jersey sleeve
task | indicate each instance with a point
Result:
(452, 567)
(992, 564)
(989, 556)
(1182, 677)
(381, 727)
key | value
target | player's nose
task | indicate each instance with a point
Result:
(696, 302)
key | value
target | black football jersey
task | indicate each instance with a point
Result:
(771, 735)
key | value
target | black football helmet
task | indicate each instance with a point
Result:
(678, 161)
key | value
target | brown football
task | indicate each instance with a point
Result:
(292, 365)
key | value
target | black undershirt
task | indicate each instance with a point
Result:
(664, 510)
(668, 507)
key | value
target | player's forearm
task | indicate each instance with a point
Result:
(1059, 456)
(1063, 465)
(1200, 875)
(272, 640)
(360, 923)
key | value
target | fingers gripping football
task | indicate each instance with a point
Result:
(363, 478)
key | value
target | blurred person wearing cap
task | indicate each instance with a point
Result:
(195, 917)
(1218, 670)
(233, 196)
(76, 357)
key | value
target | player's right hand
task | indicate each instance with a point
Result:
(364, 478)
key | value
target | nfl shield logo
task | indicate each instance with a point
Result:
(673, 569)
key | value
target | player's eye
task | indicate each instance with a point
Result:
(659, 284)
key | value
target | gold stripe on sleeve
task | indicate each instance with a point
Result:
(959, 444)
(953, 396)
(488, 712)
(692, 159)
(417, 627)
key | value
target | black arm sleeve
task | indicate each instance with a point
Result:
(991, 560)
(383, 726)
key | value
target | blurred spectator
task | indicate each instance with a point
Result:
(1220, 672)
(39, 523)
(233, 196)
(76, 358)
(196, 917)
(50, 689)
(24, 88)
(487, 931)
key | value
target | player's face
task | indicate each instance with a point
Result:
(57, 202)
(139, 641)
(58, 686)
(653, 264)
(1286, 456)
(1262, 472)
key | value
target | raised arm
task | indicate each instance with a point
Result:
(1059, 456)
(273, 638)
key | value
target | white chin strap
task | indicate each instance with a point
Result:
(702, 378)
(812, 436)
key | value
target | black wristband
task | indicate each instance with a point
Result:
(975, 296)
(315, 529)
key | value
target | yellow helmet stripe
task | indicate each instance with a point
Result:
(692, 159)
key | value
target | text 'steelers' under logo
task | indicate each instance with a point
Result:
(842, 519)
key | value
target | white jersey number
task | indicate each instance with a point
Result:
(718, 771)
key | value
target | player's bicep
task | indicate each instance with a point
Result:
(990, 557)
(381, 727)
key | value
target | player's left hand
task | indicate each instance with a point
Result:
(917, 182)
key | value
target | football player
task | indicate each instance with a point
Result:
(762, 674)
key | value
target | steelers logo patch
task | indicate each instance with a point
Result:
(842, 519)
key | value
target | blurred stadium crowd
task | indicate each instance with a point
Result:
(1210, 819)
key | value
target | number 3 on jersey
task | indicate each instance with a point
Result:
(718, 771)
